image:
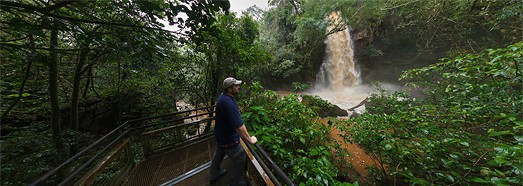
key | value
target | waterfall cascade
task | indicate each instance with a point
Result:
(339, 69)
(338, 80)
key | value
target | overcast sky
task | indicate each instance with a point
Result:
(239, 6)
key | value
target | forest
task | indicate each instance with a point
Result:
(71, 71)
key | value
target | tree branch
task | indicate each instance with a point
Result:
(41, 48)
(36, 8)
(45, 11)
(20, 5)
(17, 39)
(468, 172)
(58, 5)
(359, 105)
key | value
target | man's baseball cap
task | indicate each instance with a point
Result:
(230, 81)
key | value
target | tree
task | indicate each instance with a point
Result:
(81, 42)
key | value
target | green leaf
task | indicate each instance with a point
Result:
(499, 133)
(267, 139)
(314, 152)
(302, 140)
(450, 178)
(464, 143)
(479, 180)
(16, 95)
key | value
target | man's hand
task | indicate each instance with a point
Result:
(245, 135)
(253, 140)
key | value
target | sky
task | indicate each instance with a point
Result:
(240, 5)
(237, 6)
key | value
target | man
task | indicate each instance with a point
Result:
(227, 131)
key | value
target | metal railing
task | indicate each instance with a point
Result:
(273, 165)
(110, 159)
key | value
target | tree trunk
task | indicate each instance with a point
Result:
(87, 82)
(213, 88)
(53, 90)
(75, 99)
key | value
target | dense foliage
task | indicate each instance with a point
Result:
(467, 130)
(72, 70)
(231, 49)
(293, 134)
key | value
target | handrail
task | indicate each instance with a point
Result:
(54, 171)
(278, 170)
(171, 114)
(174, 120)
(263, 165)
(178, 126)
(76, 156)
(121, 131)
(91, 160)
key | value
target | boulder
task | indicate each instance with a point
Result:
(322, 107)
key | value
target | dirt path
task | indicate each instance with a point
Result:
(358, 158)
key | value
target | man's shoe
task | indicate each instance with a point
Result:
(221, 173)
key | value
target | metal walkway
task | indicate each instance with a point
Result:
(162, 169)
(161, 150)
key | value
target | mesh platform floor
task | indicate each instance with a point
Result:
(160, 169)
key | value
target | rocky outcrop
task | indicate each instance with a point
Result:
(323, 108)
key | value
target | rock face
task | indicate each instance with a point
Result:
(322, 107)
(335, 111)
(355, 114)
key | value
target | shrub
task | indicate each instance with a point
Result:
(299, 87)
(467, 130)
(292, 134)
(27, 153)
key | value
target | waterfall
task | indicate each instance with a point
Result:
(338, 69)
(338, 80)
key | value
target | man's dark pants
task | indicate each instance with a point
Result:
(238, 158)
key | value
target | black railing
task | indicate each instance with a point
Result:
(276, 168)
(69, 161)
(76, 167)
(117, 146)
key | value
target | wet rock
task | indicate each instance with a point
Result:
(323, 108)
(355, 114)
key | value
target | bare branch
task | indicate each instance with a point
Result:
(359, 105)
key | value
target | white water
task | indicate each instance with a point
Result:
(339, 68)
(339, 80)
